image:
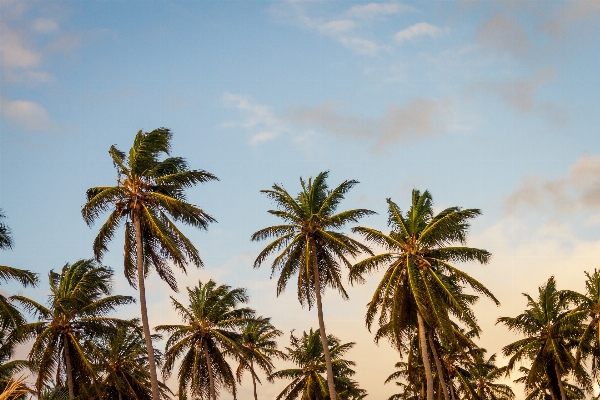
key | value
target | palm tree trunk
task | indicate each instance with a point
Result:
(425, 356)
(440, 370)
(120, 396)
(452, 392)
(330, 384)
(253, 379)
(68, 368)
(563, 395)
(211, 379)
(142, 290)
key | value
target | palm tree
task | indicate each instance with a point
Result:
(9, 368)
(15, 389)
(312, 244)
(480, 381)
(79, 301)
(420, 286)
(550, 336)
(122, 360)
(408, 375)
(589, 309)
(308, 382)
(541, 388)
(10, 317)
(259, 347)
(148, 198)
(211, 331)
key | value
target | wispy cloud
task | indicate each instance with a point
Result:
(578, 190)
(416, 119)
(259, 118)
(372, 10)
(27, 115)
(418, 30)
(522, 95)
(503, 34)
(351, 28)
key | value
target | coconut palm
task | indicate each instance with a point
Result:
(77, 309)
(311, 243)
(480, 380)
(259, 347)
(308, 382)
(148, 198)
(122, 362)
(10, 317)
(211, 331)
(551, 334)
(15, 389)
(9, 368)
(420, 286)
(589, 309)
(542, 388)
(408, 375)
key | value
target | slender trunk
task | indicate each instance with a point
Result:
(422, 394)
(551, 386)
(120, 396)
(330, 384)
(452, 392)
(253, 379)
(563, 394)
(68, 368)
(440, 370)
(425, 356)
(211, 379)
(142, 290)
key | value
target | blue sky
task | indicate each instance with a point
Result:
(491, 105)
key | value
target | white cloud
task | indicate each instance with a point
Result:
(373, 10)
(27, 115)
(337, 26)
(418, 30)
(15, 53)
(44, 25)
(578, 190)
(260, 117)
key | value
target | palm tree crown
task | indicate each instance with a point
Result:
(213, 321)
(308, 382)
(259, 347)
(551, 333)
(79, 301)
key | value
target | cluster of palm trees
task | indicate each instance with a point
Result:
(423, 305)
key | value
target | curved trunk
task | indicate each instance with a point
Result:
(253, 379)
(440, 370)
(69, 369)
(425, 357)
(330, 384)
(563, 394)
(142, 290)
(211, 379)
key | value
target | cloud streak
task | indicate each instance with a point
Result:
(416, 119)
(578, 190)
(418, 30)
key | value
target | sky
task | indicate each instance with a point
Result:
(489, 105)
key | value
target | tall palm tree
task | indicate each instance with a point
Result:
(10, 317)
(211, 331)
(77, 308)
(308, 382)
(148, 199)
(259, 347)
(420, 285)
(312, 244)
(542, 389)
(122, 361)
(551, 334)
